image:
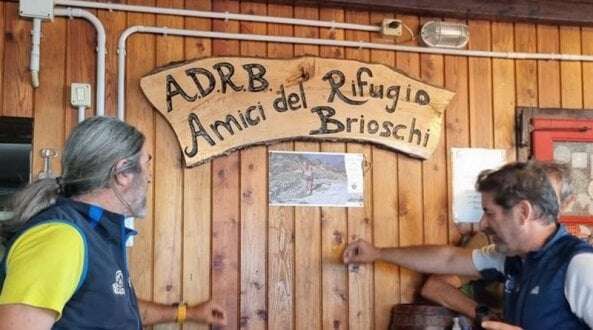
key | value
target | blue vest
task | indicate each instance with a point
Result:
(534, 286)
(104, 298)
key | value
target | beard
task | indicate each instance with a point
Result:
(134, 199)
(502, 248)
(138, 208)
(499, 245)
(138, 200)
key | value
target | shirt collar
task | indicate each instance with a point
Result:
(96, 214)
(558, 234)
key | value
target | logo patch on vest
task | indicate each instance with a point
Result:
(118, 286)
(535, 290)
(510, 285)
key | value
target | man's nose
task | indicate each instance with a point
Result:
(483, 225)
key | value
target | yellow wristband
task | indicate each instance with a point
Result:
(181, 313)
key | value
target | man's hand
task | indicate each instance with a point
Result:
(495, 325)
(207, 312)
(360, 252)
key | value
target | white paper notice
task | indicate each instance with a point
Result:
(354, 164)
(467, 164)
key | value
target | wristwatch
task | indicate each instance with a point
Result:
(181, 312)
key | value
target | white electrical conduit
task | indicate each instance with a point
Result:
(121, 50)
(217, 15)
(73, 12)
(81, 110)
(35, 42)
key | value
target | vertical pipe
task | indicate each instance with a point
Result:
(81, 110)
(121, 70)
(100, 102)
(35, 53)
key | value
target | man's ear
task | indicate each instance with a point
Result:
(122, 178)
(525, 211)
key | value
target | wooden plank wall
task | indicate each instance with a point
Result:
(209, 232)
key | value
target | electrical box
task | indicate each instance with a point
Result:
(43, 9)
(80, 95)
(391, 27)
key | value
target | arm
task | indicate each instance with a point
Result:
(495, 325)
(431, 259)
(578, 287)
(444, 290)
(24, 317)
(44, 267)
(206, 312)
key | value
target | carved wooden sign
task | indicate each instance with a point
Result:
(217, 105)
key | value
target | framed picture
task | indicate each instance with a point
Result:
(315, 179)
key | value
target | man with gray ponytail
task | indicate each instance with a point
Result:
(65, 265)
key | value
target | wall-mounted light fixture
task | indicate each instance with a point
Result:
(444, 34)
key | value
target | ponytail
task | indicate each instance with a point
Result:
(29, 201)
(90, 154)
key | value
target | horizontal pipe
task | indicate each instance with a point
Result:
(316, 23)
(218, 15)
(312, 41)
(363, 44)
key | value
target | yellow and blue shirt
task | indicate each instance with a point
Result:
(45, 265)
(71, 259)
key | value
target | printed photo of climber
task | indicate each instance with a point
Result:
(315, 179)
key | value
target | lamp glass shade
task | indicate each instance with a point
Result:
(445, 34)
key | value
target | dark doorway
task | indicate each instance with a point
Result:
(16, 137)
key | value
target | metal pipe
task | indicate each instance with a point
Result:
(316, 23)
(101, 51)
(217, 15)
(121, 70)
(121, 49)
(81, 110)
(35, 53)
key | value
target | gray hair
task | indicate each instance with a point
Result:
(519, 181)
(561, 177)
(89, 161)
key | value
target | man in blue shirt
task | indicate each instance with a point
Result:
(545, 270)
